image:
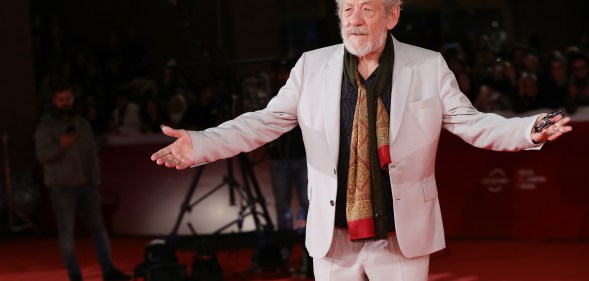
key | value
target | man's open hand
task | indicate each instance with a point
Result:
(179, 154)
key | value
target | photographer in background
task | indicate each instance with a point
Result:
(65, 147)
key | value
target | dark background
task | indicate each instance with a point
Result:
(229, 39)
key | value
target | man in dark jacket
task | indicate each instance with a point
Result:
(65, 147)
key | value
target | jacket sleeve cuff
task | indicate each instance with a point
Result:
(533, 145)
(194, 136)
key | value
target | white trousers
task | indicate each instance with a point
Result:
(380, 260)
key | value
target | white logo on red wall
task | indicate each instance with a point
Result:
(526, 179)
(495, 181)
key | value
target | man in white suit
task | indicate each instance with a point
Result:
(374, 211)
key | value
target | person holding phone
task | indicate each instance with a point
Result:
(66, 149)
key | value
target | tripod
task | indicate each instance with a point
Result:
(250, 191)
(12, 210)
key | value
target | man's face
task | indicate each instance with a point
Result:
(529, 86)
(365, 25)
(532, 62)
(557, 69)
(579, 68)
(63, 101)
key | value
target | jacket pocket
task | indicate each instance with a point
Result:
(419, 105)
(426, 112)
(430, 190)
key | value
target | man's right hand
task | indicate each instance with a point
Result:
(66, 140)
(179, 154)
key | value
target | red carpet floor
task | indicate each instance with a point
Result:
(37, 259)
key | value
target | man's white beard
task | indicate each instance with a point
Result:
(361, 48)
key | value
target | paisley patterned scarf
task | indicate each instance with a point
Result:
(369, 150)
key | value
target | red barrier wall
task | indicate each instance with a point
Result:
(484, 194)
(529, 194)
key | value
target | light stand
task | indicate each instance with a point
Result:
(249, 190)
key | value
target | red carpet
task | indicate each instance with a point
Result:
(37, 259)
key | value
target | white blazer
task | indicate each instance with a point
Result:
(425, 97)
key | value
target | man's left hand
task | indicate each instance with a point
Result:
(554, 131)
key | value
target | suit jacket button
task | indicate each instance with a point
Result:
(334, 172)
(331, 202)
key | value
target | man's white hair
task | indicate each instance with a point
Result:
(388, 5)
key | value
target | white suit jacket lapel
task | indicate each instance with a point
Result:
(402, 75)
(332, 82)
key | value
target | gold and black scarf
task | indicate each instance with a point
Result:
(369, 150)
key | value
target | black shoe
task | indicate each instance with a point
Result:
(116, 275)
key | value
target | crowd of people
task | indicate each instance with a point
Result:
(113, 86)
(116, 92)
(519, 78)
